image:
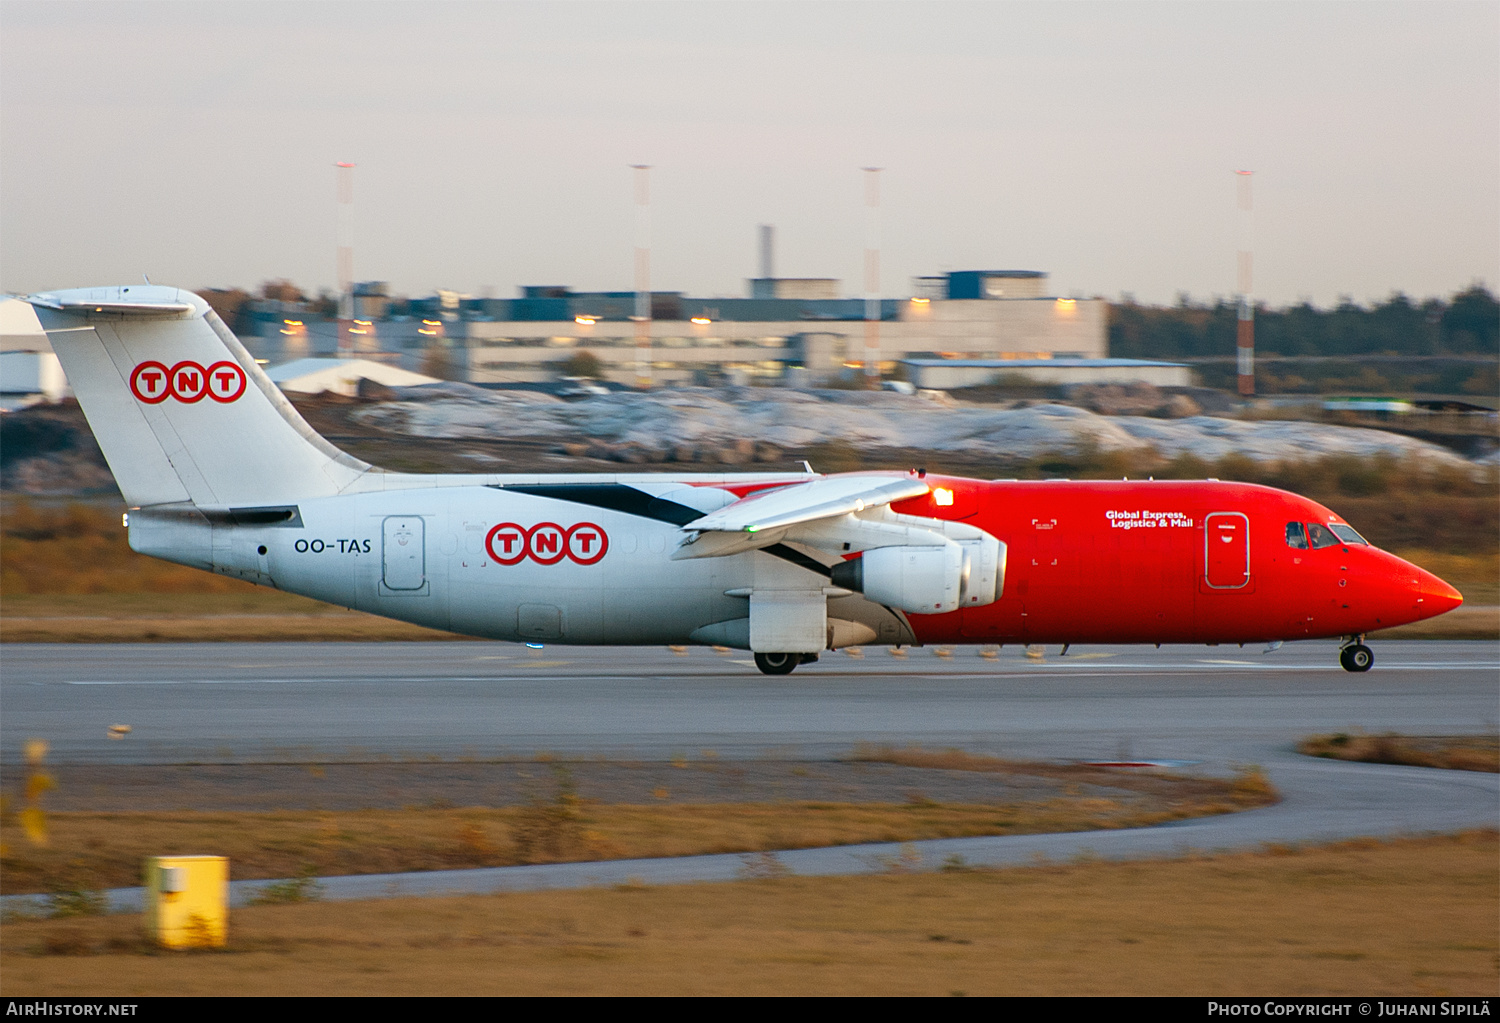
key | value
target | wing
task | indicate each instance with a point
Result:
(844, 516)
(807, 502)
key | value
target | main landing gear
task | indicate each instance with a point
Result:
(782, 664)
(1355, 656)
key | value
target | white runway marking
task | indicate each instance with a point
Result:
(1019, 670)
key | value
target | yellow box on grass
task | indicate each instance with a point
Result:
(187, 900)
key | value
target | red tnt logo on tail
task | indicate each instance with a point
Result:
(547, 543)
(189, 382)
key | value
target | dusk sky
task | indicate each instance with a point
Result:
(195, 143)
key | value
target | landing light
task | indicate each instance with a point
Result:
(587, 321)
(942, 496)
(702, 320)
(920, 301)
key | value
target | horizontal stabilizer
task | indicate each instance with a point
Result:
(149, 301)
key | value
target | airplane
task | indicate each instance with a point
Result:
(220, 472)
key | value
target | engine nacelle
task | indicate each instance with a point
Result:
(983, 571)
(921, 580)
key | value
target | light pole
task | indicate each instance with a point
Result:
(1245, 322)
(872, 277)
(345, 259)
(642, 315)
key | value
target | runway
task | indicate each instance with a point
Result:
(281, 702)
(1213, 708)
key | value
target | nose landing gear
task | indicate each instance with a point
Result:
(1355, 656)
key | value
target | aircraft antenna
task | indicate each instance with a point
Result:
(872, 276)
(1245, 327)
(642, 315)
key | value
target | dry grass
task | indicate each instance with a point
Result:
(1365, 918)
(1461, 623)
(1249, 787)
(1476, 576)
(92, 850)
(82, 548)
(1453, 752)
(256, 616)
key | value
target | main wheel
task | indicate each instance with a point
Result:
(1356, 657)
(777, 664)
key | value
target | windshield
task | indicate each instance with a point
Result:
(1321, 536)
(1347, 534)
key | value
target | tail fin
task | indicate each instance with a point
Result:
(179, 407)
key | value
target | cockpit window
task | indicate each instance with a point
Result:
(1295, 537)
(1321, 536)
(1347, 534)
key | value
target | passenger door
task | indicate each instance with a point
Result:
(404, 553)
(1226, 551)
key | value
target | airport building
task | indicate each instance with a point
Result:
(788, 330)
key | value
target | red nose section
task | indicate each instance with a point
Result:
(1435, 596)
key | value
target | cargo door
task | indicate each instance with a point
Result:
(539, 621)
(1226, 555)
(404, 553)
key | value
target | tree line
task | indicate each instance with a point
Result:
(1466, 324)
(233, 304)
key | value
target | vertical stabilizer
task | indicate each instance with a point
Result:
(179, 407)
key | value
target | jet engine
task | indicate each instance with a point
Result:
(922, 580)
(928, 579)
(983, 572)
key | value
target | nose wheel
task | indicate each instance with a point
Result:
(1356, 657)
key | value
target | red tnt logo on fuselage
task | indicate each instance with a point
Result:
(547, 543)
(189, 382)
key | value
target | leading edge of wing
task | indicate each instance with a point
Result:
(800, 503)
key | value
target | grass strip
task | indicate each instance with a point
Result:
(1453, 752)
(1360, 918)
(92, 850)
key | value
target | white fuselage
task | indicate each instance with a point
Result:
(493, 561)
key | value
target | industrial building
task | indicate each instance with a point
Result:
(789, 330)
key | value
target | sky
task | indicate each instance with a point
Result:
(195, 143)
